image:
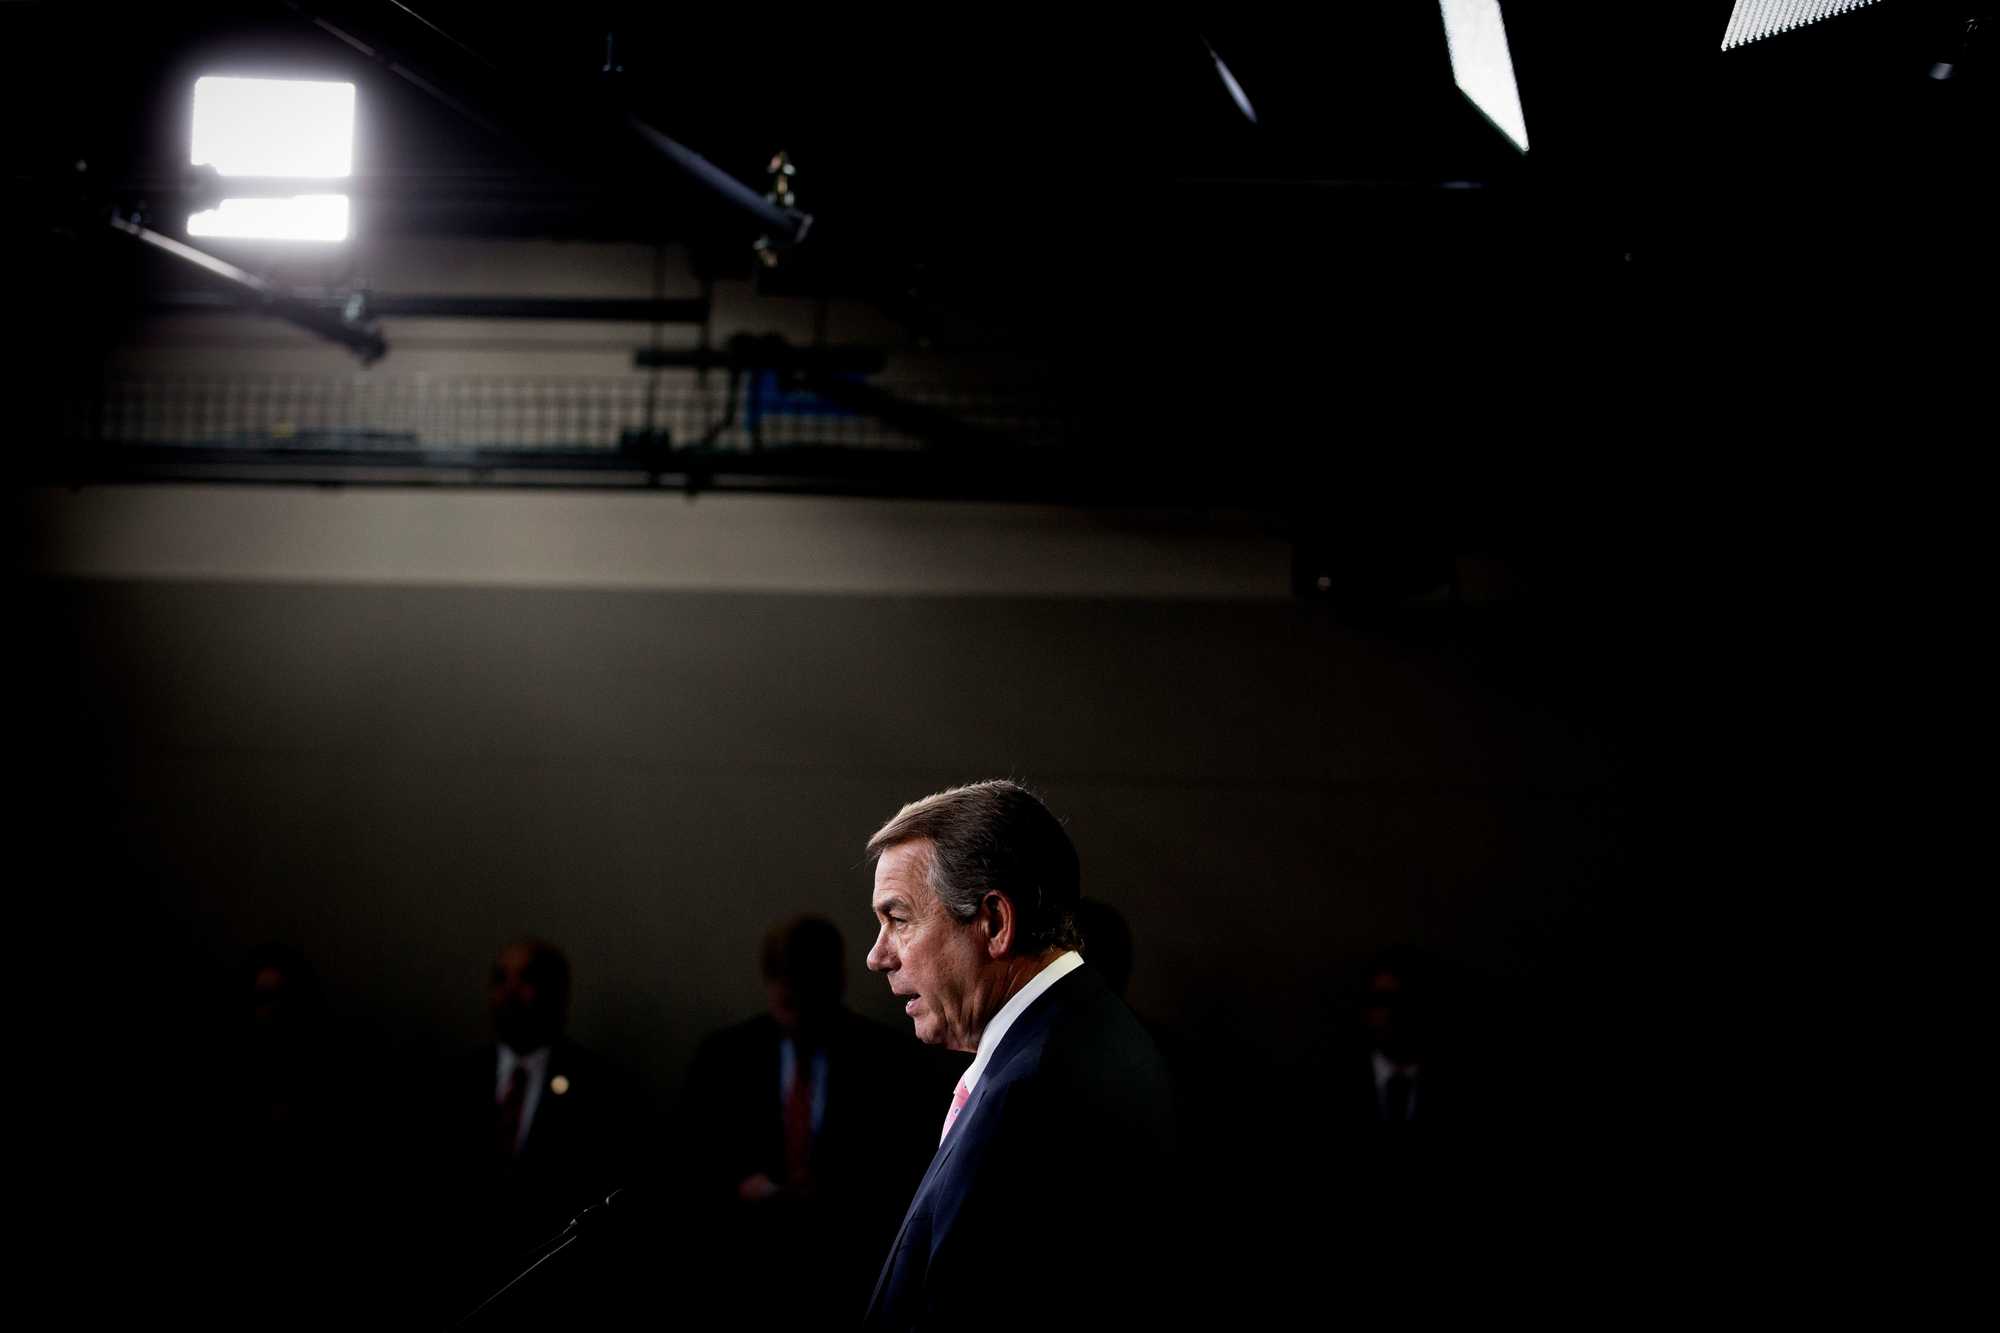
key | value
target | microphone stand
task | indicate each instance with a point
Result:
(587, 1220)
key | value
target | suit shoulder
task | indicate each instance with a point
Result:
(1097, 1027)
(1098, 1056)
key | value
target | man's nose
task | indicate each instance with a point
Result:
(878, 956)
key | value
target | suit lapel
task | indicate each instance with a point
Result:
(956, 1137)
(943, 1155)
(542, 1127)
(917, 1201)
(1029, 1025)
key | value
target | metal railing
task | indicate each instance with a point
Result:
(367, 412)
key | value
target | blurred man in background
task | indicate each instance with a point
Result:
(531, 1129)
(802, 1134)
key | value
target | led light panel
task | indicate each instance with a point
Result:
(301, 217)
(1752, 20)
(273, 127)
(1482, 66)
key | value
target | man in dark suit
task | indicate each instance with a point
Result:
(801, 1134)
(1399, 1076)
(1045, 1200)
(1407, 1149)
(531, 1130)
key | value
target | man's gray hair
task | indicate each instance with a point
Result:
(995, 836)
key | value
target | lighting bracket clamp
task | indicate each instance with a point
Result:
(351, 326)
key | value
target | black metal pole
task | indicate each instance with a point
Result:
(784, 226)
(361, 338)
(420, 305)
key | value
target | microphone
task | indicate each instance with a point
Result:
(619, 1201)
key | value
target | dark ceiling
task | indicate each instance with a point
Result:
(1086, 187)
(997, 140)
(910, 122)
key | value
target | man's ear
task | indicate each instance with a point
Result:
(996, 918)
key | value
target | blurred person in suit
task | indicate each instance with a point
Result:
(284, 1143)
(528, 1130)
(801, 1134)
(1412, 1142)
(1398, 1072)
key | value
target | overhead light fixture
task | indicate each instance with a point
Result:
(1753, 20)
(1482, 66)
(292, 129)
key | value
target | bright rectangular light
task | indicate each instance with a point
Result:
(1751, 20)
(273, 127)
(1482, 66)
(301, 217)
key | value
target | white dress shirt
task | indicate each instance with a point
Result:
(537, 1063)
(788, 1066)
(1386, 1069)
(989, 1040)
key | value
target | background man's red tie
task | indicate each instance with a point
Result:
(799, 1126)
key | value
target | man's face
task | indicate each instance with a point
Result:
(272, 1009)
(1387, 1012)
(803, 1006)
(526, 1014)
(933, 963)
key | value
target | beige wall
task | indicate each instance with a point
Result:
(398, 727)
(736, 543)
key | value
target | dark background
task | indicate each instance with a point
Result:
(1559, 430)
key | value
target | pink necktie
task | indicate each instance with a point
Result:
(958, 1100)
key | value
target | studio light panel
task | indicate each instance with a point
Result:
(1482, 66)
(1754, 20)
(282, 128)
(299, 217)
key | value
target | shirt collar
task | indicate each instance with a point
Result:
(996, 1031)
(1385, 1069)
(536, 1060)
